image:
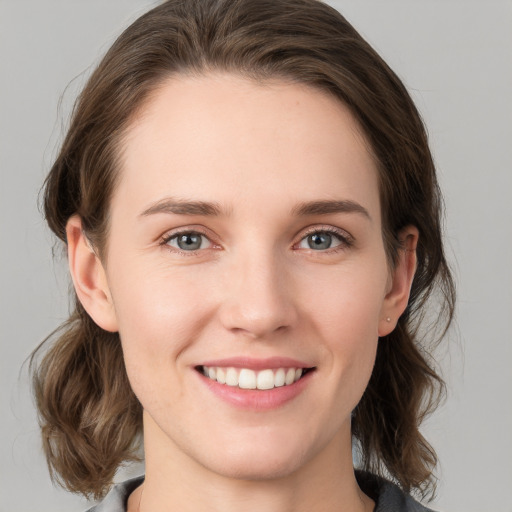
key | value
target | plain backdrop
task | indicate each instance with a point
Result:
(455, 56)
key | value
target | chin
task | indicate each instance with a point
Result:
(257, 468)
(259, 459)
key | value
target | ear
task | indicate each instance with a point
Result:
(89, 277)
(401, 277)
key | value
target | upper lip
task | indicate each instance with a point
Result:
(257, 363)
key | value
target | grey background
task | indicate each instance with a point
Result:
(456, 58)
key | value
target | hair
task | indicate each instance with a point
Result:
(91, 420)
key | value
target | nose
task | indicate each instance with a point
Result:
(258, 297)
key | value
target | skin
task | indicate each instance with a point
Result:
(254, 288)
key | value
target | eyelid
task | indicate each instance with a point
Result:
(346, 239)
(173, 233)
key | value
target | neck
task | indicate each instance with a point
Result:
(175, 481)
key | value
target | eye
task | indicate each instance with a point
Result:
(188, 241)
(323, 240)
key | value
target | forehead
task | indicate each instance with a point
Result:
(226, 138)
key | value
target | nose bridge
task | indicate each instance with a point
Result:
(258, 298)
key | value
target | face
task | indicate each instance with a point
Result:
(246, 273)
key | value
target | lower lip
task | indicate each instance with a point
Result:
(254, 399)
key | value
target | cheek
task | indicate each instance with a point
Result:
(347, 318)
(151, 299)
(158, 315)
(350, 301)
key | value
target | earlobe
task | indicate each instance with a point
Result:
(89, 278)
(397, 296)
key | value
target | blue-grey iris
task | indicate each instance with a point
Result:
(320, 241)
(189, 241)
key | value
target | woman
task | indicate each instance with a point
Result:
(252, 221)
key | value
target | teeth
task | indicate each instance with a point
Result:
(290, 376)
(279, 378)
(231, 377)
(265, 380)
(246, 378)
(221, 375)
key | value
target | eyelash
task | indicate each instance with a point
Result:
(170, 236)
(346, 240)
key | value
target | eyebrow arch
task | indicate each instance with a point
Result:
(181, 207)
(328, 207)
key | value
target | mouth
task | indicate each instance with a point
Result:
(247, 378)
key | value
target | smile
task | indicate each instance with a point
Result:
(246, 378)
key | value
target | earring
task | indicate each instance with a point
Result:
(388, 319)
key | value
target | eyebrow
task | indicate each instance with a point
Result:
(209, 209)
(327, 207)
(180, 207)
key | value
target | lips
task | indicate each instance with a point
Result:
(248, 378)
(256, 383)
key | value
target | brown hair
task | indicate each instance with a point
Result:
(89, 416)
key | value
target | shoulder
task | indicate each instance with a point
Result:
(388, 497)
(116, 499)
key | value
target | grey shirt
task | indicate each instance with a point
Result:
(388, 497)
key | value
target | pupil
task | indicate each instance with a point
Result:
(189, 242)
(320, 241)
